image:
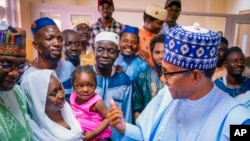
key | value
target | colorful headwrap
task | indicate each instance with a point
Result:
(191, 47)
(40, 23)
(13, 42)
(108, 36)
(130, 29)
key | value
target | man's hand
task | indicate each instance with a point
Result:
(143, 55)
(115, 117)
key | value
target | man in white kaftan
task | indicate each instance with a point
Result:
(199, 111)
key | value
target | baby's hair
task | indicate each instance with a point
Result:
(86, 69)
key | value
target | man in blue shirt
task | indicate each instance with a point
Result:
(234, 83)
(110, 83)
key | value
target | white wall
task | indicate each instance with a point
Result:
(235, 6)
(135, 18)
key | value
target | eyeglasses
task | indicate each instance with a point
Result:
(167, 75)
(6, 67)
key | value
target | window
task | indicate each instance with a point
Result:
(3, 17)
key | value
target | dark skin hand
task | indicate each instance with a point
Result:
(143, 55)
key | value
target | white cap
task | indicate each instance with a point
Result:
(108, 36)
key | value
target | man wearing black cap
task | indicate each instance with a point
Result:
(106, 21)
(174, 9)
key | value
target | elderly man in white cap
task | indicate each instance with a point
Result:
(199, 111)
(153, 18)
(110, 83)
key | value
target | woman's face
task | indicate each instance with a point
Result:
(55, 95)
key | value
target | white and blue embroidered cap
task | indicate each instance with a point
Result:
(191, 47)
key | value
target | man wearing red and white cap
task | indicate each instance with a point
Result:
(106, 22)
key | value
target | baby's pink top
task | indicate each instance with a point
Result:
(89, 121)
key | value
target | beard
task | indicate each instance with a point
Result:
(54, 59)
(219, 63)
(236, 74)
(107, 17)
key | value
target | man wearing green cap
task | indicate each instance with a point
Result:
(14, 121)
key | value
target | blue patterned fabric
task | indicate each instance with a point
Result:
(191, 50)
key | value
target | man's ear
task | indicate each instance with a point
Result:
(35, 45)
(196, 74)
(148, 21)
